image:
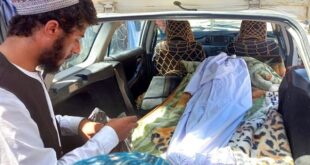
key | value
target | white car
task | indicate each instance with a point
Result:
(119, 60)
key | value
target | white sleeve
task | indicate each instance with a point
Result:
(21, 132)
(6, 154)
(22, 136)
(102, 143)
(69, 125)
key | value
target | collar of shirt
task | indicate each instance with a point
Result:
(35, 75)
(216, 67)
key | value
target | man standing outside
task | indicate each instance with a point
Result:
(45, 33)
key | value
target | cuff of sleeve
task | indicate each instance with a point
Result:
(70, 125)
(106, 138)
(75, 122)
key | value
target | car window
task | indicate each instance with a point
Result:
(200, 27)
(213, 34)
(86, 44)
(126, 37)
(160, 26)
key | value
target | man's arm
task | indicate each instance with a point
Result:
(103, 138)
(21, 133)
(6, 154)
(23, 137)
(101, 143)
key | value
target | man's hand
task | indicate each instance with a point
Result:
(88, 129)
(123, 126)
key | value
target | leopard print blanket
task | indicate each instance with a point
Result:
(259, 139)
(155, 130)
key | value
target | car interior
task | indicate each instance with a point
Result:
(136, 66)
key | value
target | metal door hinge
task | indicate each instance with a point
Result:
(107, 6)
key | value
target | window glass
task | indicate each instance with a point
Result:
(219, 25)
(86, 45)
(126, 37)
(160, 26)
(209, 25)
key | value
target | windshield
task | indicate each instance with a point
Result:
(215, 25)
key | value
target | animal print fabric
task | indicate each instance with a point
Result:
(180, 45)
(154, 130)
(161, 138)
(252, 41)
(261, 139)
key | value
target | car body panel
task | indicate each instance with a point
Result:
(298, 8)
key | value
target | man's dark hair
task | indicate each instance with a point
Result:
(68, 18)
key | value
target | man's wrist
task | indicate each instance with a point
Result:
(80, 127)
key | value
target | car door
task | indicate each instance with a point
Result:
(89, 81)
(128, 54)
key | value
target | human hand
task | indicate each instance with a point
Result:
(123, 126)
(87, 128)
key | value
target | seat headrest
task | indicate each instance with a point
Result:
(179, 30)
(252, 30)
(252, 41)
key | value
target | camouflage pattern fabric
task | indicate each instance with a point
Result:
(262, 75)
(154, 130)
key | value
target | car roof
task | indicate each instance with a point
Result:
(297, 8)
(269, 15)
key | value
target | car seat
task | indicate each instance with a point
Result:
(252, 41)
(179, 45)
